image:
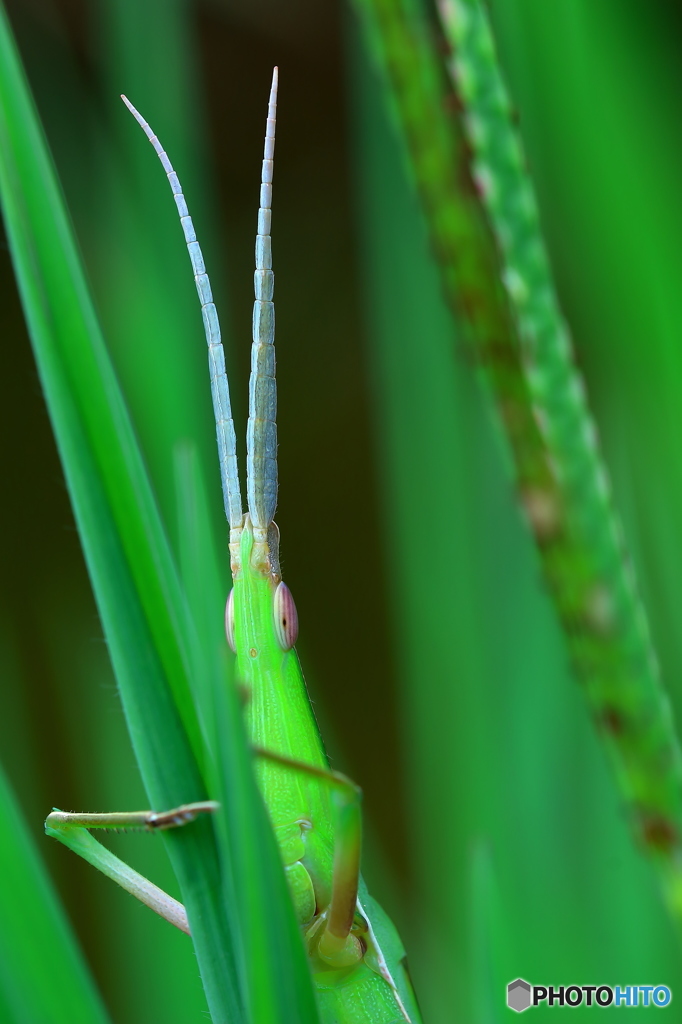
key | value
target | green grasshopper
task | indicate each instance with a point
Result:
(356, 957)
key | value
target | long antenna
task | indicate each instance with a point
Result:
(261, 431)
(227, 441)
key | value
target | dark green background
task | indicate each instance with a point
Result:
(495, 836)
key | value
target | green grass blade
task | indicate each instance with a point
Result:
(580, 538)
(528, 362)
(42, 974)
(491, 711)
(128, 558)
(240, 891)
(68, 340)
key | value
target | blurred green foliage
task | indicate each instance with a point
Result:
(497, 841)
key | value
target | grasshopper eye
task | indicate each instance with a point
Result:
(229, 620)
(286, 617)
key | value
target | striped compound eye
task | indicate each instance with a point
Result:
(286, 617)
(229, 620)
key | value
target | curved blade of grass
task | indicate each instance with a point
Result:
(42, 974)
(143, 608)
(584, 558)
(124, 543)
(516, 759)
(130, 241)
(521, 342)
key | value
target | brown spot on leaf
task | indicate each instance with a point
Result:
(658, 832)
(612, 720)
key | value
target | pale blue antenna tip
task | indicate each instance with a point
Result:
(225, 432)
(261, 431)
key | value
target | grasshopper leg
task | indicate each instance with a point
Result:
(71, 829)
(337, 945)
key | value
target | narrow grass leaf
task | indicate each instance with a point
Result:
(128, 558)
(498, 283)
(42, 974)
(587, 567)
